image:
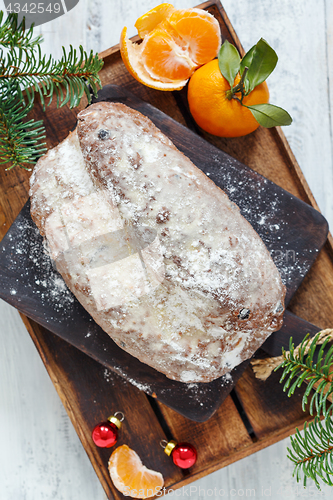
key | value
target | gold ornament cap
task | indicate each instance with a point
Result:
(169, 447)
(115, 420)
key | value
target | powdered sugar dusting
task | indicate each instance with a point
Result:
(44, 281)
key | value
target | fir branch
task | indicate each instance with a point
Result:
(19, 140)
(46, 77)
(22, 66)
(299, 366)
(14, 35)
(313, 453)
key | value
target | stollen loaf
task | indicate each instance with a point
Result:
(156, 253)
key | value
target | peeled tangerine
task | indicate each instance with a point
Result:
(175, 43)
(131, 477)
(153, 249)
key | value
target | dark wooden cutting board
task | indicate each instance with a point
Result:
(293, 232)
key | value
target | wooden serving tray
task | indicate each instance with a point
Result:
(256, 414)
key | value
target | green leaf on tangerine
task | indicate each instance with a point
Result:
(247, 59)
(246, 63)
(229, 62)
(268, 115)
(262, 64)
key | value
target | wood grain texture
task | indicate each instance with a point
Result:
(270, 413)
(300, 32)
(226, 440)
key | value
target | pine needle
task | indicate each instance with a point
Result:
(300, 366)
(14, 35)
(20, 140)
(46, 76)
(312, 453)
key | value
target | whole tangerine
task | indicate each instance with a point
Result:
(211, 108)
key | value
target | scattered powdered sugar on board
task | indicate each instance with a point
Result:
(226, 379)
(109, 377)
(26, 251)
(143, 387)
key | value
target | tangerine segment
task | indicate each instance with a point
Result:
(211, 109)
(131, 56)
(146, 23)
(164, 59)
(200, 31)
(131, 477)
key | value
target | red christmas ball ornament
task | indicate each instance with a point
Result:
(184, 455)
(105, 434)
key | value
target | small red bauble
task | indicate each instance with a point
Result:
(184, 455)
(105, 434)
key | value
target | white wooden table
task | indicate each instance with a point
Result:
(41, 456)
